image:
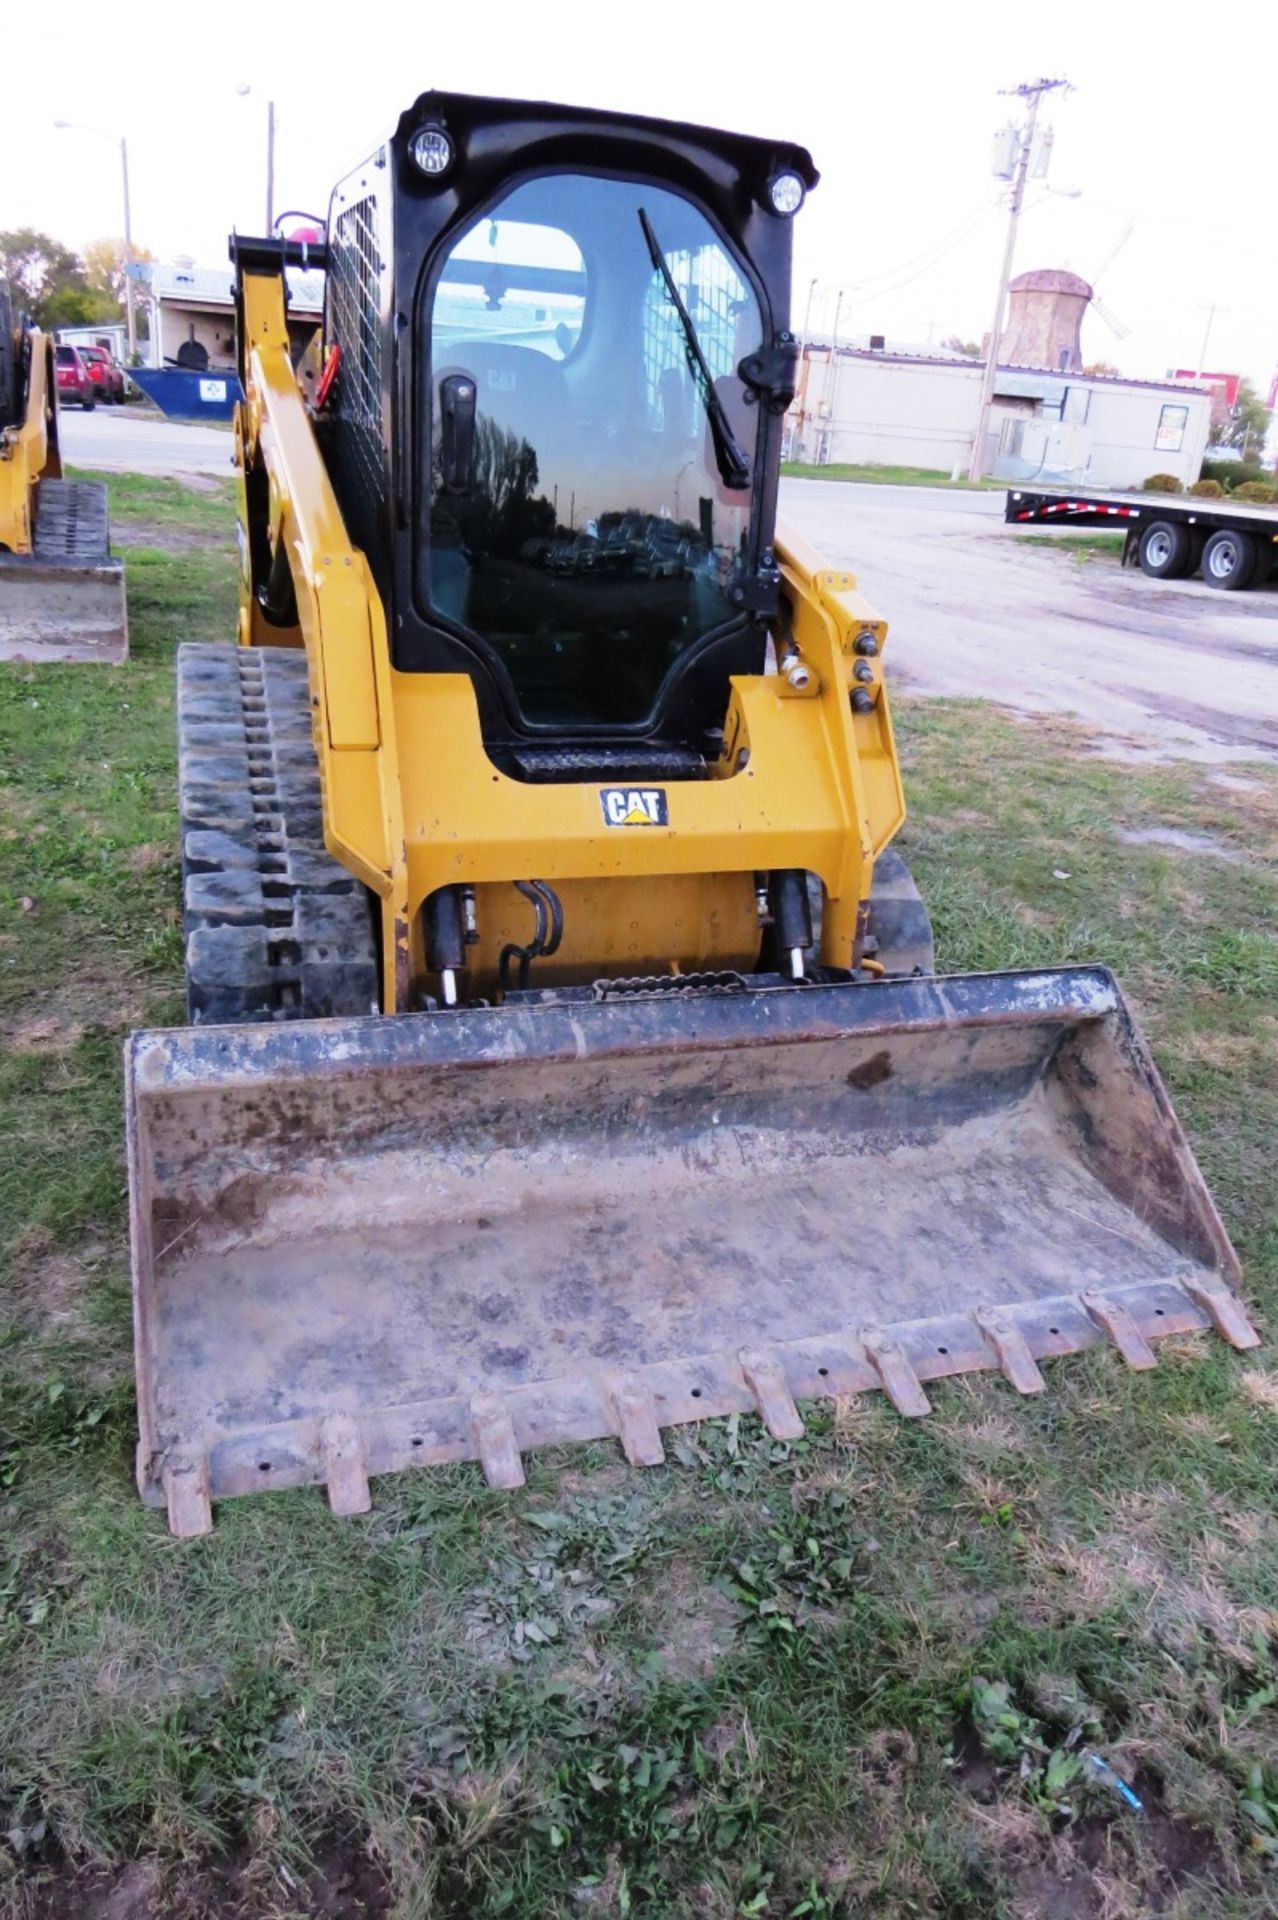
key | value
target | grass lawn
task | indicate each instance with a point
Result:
(851, 1675)
(883, 476)
(1084, 546)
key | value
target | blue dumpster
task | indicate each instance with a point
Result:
(182, 394)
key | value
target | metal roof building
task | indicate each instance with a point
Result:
(880, 408)
(194, 306)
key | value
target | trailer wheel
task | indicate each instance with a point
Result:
(1165, 550)
(1229, 560)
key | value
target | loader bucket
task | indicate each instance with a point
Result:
(366, 1245)
(64, 601)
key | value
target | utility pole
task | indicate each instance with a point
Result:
(805, 371)
(1212, 311)
(1033, 91)
(244, 90)
(130, 317)
(78, 126)
(270, 166)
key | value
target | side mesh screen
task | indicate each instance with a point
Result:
(358, 453)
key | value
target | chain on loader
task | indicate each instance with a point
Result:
(61, 592)
(567, 1056)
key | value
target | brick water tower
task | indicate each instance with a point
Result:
(1044, 321)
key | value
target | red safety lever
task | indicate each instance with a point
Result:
(328, 376)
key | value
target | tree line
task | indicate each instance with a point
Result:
(58, 287)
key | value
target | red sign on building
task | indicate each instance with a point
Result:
(1224, 387)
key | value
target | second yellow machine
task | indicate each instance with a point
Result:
(61, 591)
(567, 1054)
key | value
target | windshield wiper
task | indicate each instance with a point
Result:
(733, 461)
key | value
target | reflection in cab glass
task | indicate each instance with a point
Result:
(591, 445)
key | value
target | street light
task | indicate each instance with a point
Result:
(244, 90)
(78, 126)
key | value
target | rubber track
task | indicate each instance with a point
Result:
(900, 924)
(275, 928)
(899, 929)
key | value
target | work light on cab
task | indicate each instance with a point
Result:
(786, 192)
(432, 151)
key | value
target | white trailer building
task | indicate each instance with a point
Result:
(870, 406)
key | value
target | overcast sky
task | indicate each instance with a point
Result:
(1169, 133)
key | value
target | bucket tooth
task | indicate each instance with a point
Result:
(635, 1413)
(1117, 1324)
(1012, 1350)
(896, 1376)
(345, 1468)
(493, 1432)
(1224, 1309)
(767, 1382)
(186, 1494)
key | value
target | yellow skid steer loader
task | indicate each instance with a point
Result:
(61, 593)
(567, 1056)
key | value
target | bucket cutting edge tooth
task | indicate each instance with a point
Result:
(1223, 1308)
(186, 1492)
(766, 1379)
(1114, 1320)
(493, 1432)
(896, 1376)
(345, 1471)
(635, 1412)
(1009, 1343)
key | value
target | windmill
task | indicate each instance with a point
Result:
(1117, 327)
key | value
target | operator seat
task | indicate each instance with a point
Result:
(523, 390)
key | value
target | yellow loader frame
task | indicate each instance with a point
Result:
(412, 802)
(29, 452)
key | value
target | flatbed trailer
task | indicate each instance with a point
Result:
(1168, 535)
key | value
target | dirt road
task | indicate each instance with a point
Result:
(122, 440)
(1159, 671)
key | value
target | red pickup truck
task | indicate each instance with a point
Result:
(106, 374)
(73, 379)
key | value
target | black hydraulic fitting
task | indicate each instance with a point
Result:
(445, 927)
(791, 914)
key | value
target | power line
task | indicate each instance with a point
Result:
(884, 293)
(969, 220)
